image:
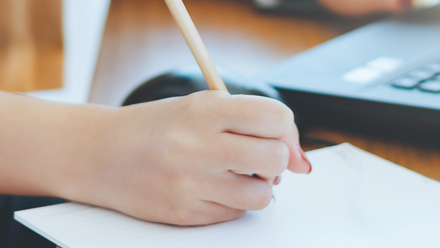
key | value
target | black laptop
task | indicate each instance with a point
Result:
(383, 78)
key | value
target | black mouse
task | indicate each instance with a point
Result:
(189, 79)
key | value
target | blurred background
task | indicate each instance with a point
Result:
(99, 51)
(31, 45)
(102, 50)
(31, 32)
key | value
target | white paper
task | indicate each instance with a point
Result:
(351, 199)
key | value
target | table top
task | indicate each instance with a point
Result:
(141, 41)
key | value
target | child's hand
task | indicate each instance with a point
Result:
(187, 160)
(364, 7)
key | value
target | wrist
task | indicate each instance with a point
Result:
(85, 146)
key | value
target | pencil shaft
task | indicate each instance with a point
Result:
(196, 44)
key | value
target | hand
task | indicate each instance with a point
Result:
(187, 161)
(364, 7)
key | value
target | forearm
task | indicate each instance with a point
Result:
(44, 145)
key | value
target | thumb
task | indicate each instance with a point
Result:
(298, 161)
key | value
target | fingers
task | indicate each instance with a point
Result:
(228, 198)
(242, 114)
(249, 155)
(219, 213)
(204, 213)
(258, 116)
(298, 162)
(251, 129)
(240, 192)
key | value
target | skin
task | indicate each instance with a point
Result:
(361, 8)
(182, 161)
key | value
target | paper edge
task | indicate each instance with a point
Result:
(23, 221)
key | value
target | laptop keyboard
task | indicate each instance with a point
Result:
(425, 78)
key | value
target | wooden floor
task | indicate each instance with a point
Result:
(142, 41)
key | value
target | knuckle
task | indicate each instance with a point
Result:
(183, 217)
(284, 118)
(227, 215)
(279, 116)
(236, 213)
(281, 155)
(262, 198)
(202, 103)
(178, 145)
(206, 95)
(194, 101)
(257, 195)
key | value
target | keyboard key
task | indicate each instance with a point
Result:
(422, 73)
(405, 82)
(434, 66)
(430, 86)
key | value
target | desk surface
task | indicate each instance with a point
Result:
(141, 40)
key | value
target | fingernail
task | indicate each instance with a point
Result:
(406, 4)
(277, 180)
(304, 157)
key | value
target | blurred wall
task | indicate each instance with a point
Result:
(31, 45)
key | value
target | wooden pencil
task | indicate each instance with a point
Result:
(195, 43)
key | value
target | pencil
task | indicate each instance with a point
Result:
(195, 43)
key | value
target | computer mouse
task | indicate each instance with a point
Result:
(189, 79)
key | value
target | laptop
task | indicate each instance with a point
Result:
(383, 78)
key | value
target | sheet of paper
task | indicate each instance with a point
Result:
(351, 199)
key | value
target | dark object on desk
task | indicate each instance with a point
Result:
(302, 7)
(189, 79)
(14, 234)
(383, 78)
